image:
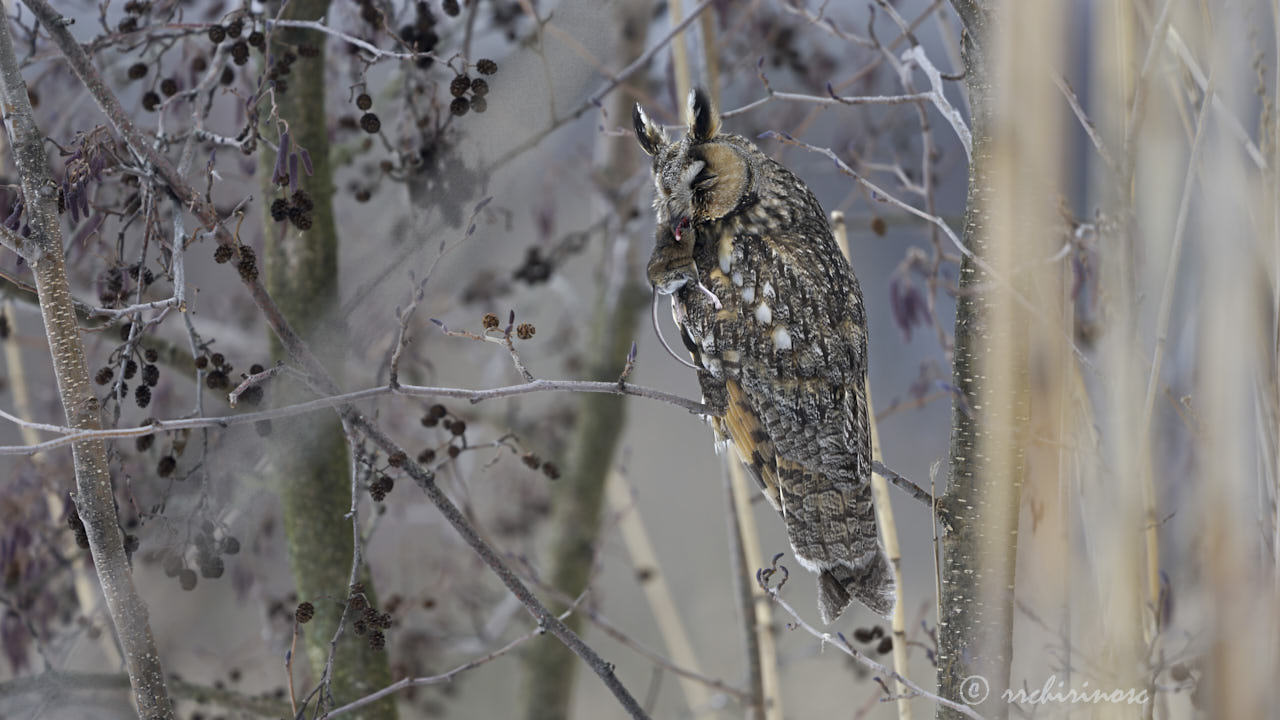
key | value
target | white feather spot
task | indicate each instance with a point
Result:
(748, 294)
(767, 291)
(713, 366)
(708, 343)
(764, 315)
(781, 338)
(726, 252)
(737, 279)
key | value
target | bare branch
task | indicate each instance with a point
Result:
(337, 401)
(1087, 124)
(376, 52)
(426, 480)
(839, 641)
(15, 243)
(881, 195)
(906, 485)
(594, 99)
(444, 677)
(832, 99)
(917, 55)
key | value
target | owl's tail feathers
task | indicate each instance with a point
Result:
(840, 585)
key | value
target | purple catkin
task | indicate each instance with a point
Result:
(907, 305)
(72, 198)
(278, 173)
(306, 161)
(82, 199)
(15, 216)
(1080, 273)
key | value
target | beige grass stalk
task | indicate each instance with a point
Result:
(885, 521)
(1239, 657)
(760, 609)
(656, 590)
(1275, 288)
(710, 54)
(680, 56)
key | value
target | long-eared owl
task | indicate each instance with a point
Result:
(773, 317)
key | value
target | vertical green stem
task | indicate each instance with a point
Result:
(311, 463)
(579, 495)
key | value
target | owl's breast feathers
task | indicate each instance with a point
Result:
(789, 345)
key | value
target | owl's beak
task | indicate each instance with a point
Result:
(679, 225)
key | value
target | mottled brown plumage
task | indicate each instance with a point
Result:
(779, 330)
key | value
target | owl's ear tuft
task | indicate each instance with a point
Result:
(651, 135)
(704, 121)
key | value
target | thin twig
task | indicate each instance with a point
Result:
(426, 481)
(880, 194)
(444, 677)
(839, 641)
(917, 55)
(831, 99)
(70, 435)
(909, 487)
(599, 620)
(594, 99)
(255, 379)
(1089, 128)
(288, 669)
(1157, 357)
(15, 243)
(373, 50)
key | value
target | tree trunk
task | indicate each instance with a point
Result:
(978, 514)
(579, 495)
(95, 499)
(310, 461)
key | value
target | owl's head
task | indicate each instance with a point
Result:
(703, 177)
